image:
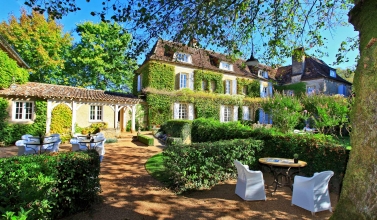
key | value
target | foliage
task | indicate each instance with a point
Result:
(10, 133)
(282, 25)
(206, 105)
(10, 72)
(328, 112)
(61, 121)
(93, 128)
(252, 87)
(173, 141)
(347, 74)
(111, 140)
(149, 141)
(203, 165)
(158, 76)
(99, 59)
(49, 186)
(298, 89)
(155, 167)
(177, 128)
(41, 43)
(210, 77)
(208, 130)
(284, 110)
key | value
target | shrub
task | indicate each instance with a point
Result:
(203, 165)
(49, 186)
(204, 130)
(111, 140)
(178, 128)
(61, 122)
(145, 139)
(173, 141)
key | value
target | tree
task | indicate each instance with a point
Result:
(99, 60)
(40, 43)
(346, 74)
(304, 19)
(10, 72)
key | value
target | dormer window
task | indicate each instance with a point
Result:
(263, 74)
(332, 73)
(226, 66)
(183, 57)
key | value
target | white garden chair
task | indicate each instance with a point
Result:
(250, 184)
(312, 193)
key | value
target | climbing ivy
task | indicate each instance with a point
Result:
(253, 87)
(208, 76)
(158, 76)
(61, 121)
(10, 72)
(206, 105)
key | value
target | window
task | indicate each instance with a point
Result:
(96, 113)
(23, 111)
(213, 86)
(245, 113)
(332, 73)
(183, 57)
(226, 66)
(263, 74)
(139, 85)
(289, 93)
(204, 85)
(244, 90)
(227, 113)
(260, 73)
(265, 91)
(183, 81)
(227, 86)
(310, 90)
(183, 111)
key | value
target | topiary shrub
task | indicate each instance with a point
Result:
(61, 121)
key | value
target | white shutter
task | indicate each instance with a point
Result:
(190, 111)
(261, 89)
(176, 111)
(235, 113)
(245, 113)
(138, 83)
(221, 113)
(234, 87)
(191, 81)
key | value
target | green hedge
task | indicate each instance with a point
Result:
(49, 186)
(203, 165)
(178, 128)
(204, 130)
(145, 139)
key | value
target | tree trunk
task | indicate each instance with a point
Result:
(358, 198)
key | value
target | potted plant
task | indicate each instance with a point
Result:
(295, 158)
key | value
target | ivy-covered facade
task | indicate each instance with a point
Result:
(185, 82)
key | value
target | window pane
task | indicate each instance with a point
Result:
(183, 81)
(18, 110)
(92, 112)
(182, 114)
(227, 113)
(227, 87)
(28, 110)
(99, 113)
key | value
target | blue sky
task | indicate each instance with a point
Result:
(69, 23)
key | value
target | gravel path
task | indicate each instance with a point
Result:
(129, 192)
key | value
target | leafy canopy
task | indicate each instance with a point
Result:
(41, 43)
(277, 27)
(10, 72)
(99, 60)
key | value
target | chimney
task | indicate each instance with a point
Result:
(298, 61)
(193, 42)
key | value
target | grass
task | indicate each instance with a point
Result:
(155, 167)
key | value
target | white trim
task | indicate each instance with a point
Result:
(235, 113)
(190, 111)
(23, 114)
(182, 57)
(226, 66)
(191, 81)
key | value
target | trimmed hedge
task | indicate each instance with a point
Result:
(179, 129)
(49, 186)
(203, 165)
(145, 139)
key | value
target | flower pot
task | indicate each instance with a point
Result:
(295, 160)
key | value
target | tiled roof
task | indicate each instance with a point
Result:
(314, 69)
(50, 91)
(12, 53)
(201, 59)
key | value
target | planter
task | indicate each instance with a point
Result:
(295, 160)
